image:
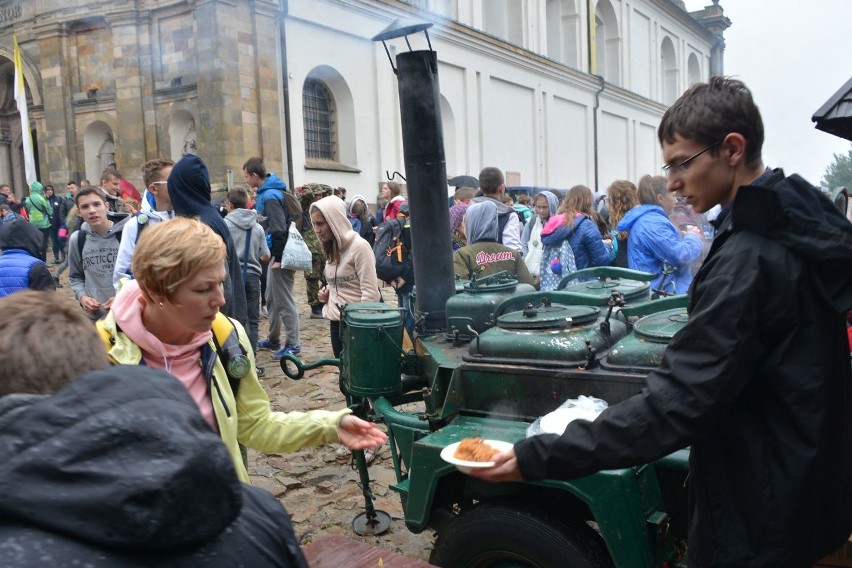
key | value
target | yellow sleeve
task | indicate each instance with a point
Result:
(278, 432)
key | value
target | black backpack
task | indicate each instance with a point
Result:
(390, 250)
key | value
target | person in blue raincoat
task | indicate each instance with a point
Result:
(654, 243)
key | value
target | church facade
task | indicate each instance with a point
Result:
(554, 92)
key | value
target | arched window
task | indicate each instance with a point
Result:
(563, 31)
(693, 69)
(670, 72)
(504, 19)
(607, 43)
(320, 121)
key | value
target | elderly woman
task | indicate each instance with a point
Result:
(164, 318)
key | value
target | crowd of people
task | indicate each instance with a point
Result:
(177, 286)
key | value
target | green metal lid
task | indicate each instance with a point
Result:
(603, 288)
(548, 317)
(371, 313)
(661, 326)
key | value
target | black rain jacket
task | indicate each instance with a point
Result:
(120, 469)
(758, 383)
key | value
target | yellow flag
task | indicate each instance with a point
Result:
(21, 100)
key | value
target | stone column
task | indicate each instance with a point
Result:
(56, 143)
(6, 156)
(130, 132)
(220, 109)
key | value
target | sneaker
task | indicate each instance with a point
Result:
(264, 311)
(260, 371)
(316, 315)
(288, 350)
(269, 345)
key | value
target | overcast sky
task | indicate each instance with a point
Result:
(793, 55)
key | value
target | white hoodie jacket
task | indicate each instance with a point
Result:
(130, 234)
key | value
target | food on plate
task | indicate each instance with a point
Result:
(475, 450)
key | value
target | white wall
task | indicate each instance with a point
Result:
(507, 107)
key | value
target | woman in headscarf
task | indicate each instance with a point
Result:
(457, 212)
(484, 255)
(544, 206)
(189, 190)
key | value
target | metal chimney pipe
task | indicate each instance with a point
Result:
(426, 177)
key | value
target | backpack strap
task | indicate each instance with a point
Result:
(230, 351)
(502, 221)
(246, 253)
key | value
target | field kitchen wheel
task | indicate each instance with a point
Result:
(499, 535)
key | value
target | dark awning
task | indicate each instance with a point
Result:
(835, 116)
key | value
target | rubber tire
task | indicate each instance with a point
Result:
(507, 534)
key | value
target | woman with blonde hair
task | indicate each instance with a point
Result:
(168, 318)
(622, 196)
(575, 224)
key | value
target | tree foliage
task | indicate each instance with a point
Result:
(839, 172)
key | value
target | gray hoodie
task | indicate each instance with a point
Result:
(240, 222)
(91, 273)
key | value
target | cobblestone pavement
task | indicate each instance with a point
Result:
(317, 486)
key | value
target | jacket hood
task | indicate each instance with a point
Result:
(149, 208)
(272, 182)
(242, 218)
(36, 187)
(273, 188)
(119, 458)
(633, 215)
(552, 201)
(20, 234)
(117, 227)
(480, 222)
(355, 198)
(501, 207)
(793, 213)
(334, 210)
(189, 190)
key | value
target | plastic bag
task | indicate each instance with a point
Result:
(580, 408)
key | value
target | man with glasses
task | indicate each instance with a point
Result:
(758, 382)
(156, 207)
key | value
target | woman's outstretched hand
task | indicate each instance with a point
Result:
(357, 434)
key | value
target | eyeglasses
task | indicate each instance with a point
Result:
(159, 182)
(677, 168)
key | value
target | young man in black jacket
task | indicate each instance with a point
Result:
(758, 382)
(117, 467)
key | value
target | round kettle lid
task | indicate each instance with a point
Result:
(487, 287)
(603, 288)
(548, 317)
(370, 313)
(662, 325)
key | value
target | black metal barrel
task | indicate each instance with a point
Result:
(426, 176)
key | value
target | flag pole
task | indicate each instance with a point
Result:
(21, 100)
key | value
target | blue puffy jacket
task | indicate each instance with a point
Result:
(585, 240)
(653, 240)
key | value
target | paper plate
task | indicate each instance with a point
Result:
(558, 420)
(447, 454)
